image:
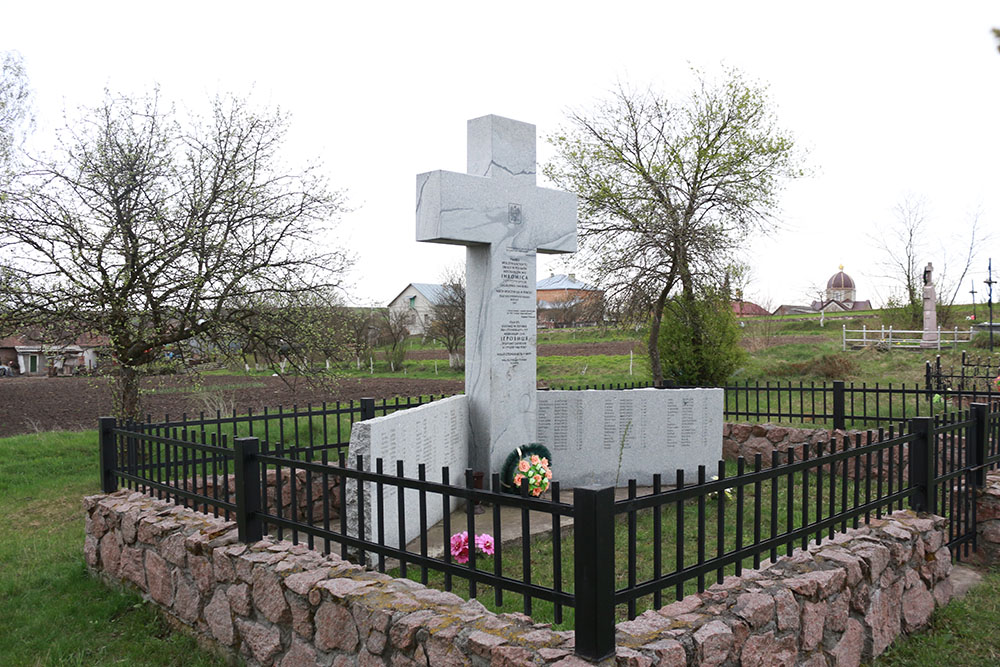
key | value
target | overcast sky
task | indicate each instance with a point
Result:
(889, 98)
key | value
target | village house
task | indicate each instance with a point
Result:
(564, 301)
(418, 300)
(33, 356)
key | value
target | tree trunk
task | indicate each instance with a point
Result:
(653, 345)
(126, 401)
(456, 360)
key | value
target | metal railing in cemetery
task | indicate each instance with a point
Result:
(836, 405)
(901, 338)
(974, 375)
(669, 540)
(294, 430)
(616, 386)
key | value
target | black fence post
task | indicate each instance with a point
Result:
(109, 454)
(976, 442)
(922, 464)
(367, 408)
(247, 469)
(928, 383)
(839, 421)
(594, 561)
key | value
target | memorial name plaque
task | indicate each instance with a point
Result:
(435, 435)
(653, 430)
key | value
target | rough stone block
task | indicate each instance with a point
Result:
(132, 567)
(160, 579)
(813, 621)
(268, 596)
(847, 652)
(918, 605)
(263, 642)
(219, 618)
(335, 628)
(713, 643)
(187, 601)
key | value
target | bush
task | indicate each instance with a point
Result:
(981, 340)
(901, 315)
(831, 366)
(700, 340)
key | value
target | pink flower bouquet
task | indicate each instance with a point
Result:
(460, 545)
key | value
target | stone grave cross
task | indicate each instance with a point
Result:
(503, 218)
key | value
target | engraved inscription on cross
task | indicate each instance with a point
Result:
(503, 218)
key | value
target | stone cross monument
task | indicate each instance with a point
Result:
(930, 337)
(503, 218)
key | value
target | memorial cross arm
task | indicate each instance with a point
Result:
(470, 210)
(497, 202)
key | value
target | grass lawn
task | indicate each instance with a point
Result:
(51, 611)
(962, 633)
(541, 553)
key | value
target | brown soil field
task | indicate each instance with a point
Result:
(29, 405)
(554, 350)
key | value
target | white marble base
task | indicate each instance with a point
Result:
(609, 437)
(435, 434)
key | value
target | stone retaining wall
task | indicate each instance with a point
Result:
(988, 521)
(746, 440)
(224, 486)
(281, 604)
(835, 604)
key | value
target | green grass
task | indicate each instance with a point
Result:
(962, 633)
(51, 611)
(585, 335)
(592, 370)
(542, 549)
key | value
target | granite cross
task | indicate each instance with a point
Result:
(503, 218)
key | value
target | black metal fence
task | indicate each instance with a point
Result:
(837, 405)
(975, 374)
(294, 431)
(667, 539)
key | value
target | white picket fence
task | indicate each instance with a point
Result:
(895, 338)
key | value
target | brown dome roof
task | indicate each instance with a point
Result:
(840, 280)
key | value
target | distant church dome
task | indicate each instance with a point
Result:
(840, 280)
(840, 287)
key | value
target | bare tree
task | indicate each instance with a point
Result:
(448, 324)
(15, 109)
(158, 234)
(668, 188)
(394, 329)
(905, 250)
(902, 248)
(363, 325)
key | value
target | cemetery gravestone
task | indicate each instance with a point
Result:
(930, 336)
(434, 435)
(607, 437)
(503, 218)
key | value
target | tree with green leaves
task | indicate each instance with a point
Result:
(669, 187)
(699, 339)
(168, 235)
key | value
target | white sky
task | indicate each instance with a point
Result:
(889, 98)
